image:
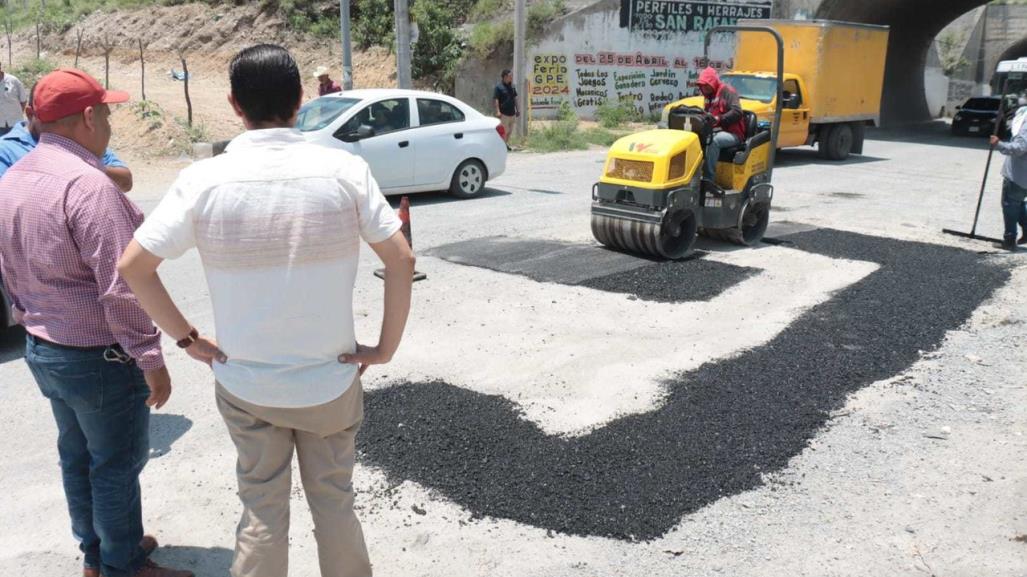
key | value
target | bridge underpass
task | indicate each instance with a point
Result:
(914, 25)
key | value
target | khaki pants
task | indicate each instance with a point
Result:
(323, 437)
(508, 123)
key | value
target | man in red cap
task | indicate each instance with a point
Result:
(722, 103)
(93, 351)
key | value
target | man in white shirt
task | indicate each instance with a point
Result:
(13, 98)
(278, 222)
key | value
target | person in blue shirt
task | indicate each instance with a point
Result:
(24, 136)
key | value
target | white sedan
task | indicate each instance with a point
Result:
(413, 141)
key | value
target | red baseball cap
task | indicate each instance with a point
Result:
(67, 91)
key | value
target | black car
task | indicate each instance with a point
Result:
(976, 117)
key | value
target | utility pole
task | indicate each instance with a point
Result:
(402, 10)
(982, 49)
(519, 68)
(347, 49)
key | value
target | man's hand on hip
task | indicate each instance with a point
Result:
(206, 351)
(159, 382)
(365, 357)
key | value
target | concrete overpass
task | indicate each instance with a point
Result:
(914, 25)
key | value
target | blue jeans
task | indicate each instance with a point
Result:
(103, 441)
(1013, 210)
(721, 140)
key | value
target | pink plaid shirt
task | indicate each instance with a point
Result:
(63, 227)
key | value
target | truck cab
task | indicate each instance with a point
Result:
(833, 79)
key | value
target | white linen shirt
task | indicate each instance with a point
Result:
(277, 222)
(13, 97)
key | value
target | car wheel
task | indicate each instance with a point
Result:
(468, 179)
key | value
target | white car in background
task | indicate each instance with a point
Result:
(413, 141)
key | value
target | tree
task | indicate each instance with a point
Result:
(438, 45)
(951, 45)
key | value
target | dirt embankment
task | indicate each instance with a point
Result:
(208, 37)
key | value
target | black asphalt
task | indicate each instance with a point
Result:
(696, 279)
(722, 425)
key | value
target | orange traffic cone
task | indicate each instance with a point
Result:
(404, 218)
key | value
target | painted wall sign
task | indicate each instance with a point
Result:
(680, 16)
(549, 83)
(632, 53)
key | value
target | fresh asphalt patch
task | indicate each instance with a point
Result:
(721, 426)
(695, 279)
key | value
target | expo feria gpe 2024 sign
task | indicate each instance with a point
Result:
(682, 16)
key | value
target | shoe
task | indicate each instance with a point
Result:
(1009, 244)
(1023, 239)
(148, 545)
(151, 569)
(711, 188)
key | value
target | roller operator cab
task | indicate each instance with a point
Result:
(831, 83)
(652, 198)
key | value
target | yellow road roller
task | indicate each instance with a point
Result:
(652, 198)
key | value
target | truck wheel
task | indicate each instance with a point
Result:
(823, 135)
(839, 142)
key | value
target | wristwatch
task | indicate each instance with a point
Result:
(189, 339)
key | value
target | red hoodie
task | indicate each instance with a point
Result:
(724, 105)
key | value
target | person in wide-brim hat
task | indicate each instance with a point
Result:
(325, 84)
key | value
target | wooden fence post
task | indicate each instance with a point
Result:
(10, 52)
(108, 47)
(78, 46)
(142, 67)
(188, 101)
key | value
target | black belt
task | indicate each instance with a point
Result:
(112, 353)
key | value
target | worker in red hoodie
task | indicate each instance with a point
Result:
(723, 105)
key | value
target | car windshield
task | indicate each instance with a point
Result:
(982, 104)
(319, 113)
(753, 87)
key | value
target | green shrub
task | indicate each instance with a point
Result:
(488, 9)
(149, 112)
(438, 47)
(196, 133)
(33, 70)
(542, 13)
(614, 114)
(488, 38)
(373, 23)
(557, 136)
(566, 113)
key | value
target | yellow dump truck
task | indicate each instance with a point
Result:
(834, 73)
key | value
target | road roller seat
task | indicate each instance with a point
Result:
(752, 129)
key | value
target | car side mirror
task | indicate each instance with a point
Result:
(959, 107)
(362, 132)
